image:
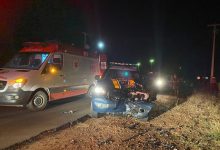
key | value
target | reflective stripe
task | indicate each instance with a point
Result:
(131, 83)
(65, 94)
(116, 84)
(60, 89)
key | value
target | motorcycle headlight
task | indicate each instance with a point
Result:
(99, 90)
(18, 83)
(159, 83)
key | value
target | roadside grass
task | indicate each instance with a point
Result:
(196, 122)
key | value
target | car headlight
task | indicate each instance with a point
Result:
(18, 83)
(99, 90)
(159, 83)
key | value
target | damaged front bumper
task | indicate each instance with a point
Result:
(104, 105)
(138, 109)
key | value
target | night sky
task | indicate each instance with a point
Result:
(175, 33)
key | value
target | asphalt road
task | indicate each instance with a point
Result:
(19, 124)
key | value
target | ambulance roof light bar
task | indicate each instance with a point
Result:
(42, 44)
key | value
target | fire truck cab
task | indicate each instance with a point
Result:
(43, 72)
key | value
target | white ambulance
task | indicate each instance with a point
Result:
(43, 72)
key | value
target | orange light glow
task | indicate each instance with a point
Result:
(53, 70)
(20, 80)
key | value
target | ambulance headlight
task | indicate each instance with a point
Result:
(99, 90)
(159, 83)
(18, 83)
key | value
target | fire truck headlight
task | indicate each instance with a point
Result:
(99, 90)
(18, 83)
(159, 83)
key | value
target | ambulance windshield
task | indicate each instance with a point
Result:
(31, 61)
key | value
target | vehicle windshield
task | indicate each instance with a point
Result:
(31, 61)
(121, 74)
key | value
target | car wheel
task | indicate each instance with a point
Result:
(38, 101)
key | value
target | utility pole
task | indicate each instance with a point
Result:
(85, 39)
(212, 77)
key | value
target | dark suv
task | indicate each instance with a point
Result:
(121, 90)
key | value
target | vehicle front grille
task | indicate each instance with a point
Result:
(2, 84)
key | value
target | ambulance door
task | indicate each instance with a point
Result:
(54, 77)
(74, 75)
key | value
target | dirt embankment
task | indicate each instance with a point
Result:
(194, 124)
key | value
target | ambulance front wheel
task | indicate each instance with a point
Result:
(38, 101)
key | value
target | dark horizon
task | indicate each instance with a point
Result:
(174, 33)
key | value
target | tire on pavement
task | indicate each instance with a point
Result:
(38, 101)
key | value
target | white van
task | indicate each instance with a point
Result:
(43, 72)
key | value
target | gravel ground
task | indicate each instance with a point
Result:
(194, 124)
(108, 133)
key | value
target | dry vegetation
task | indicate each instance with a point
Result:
(194, 124)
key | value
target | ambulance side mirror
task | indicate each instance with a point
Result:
(53, 69)
(50, 69)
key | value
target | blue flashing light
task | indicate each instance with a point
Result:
(44, 57)
(126, 74)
